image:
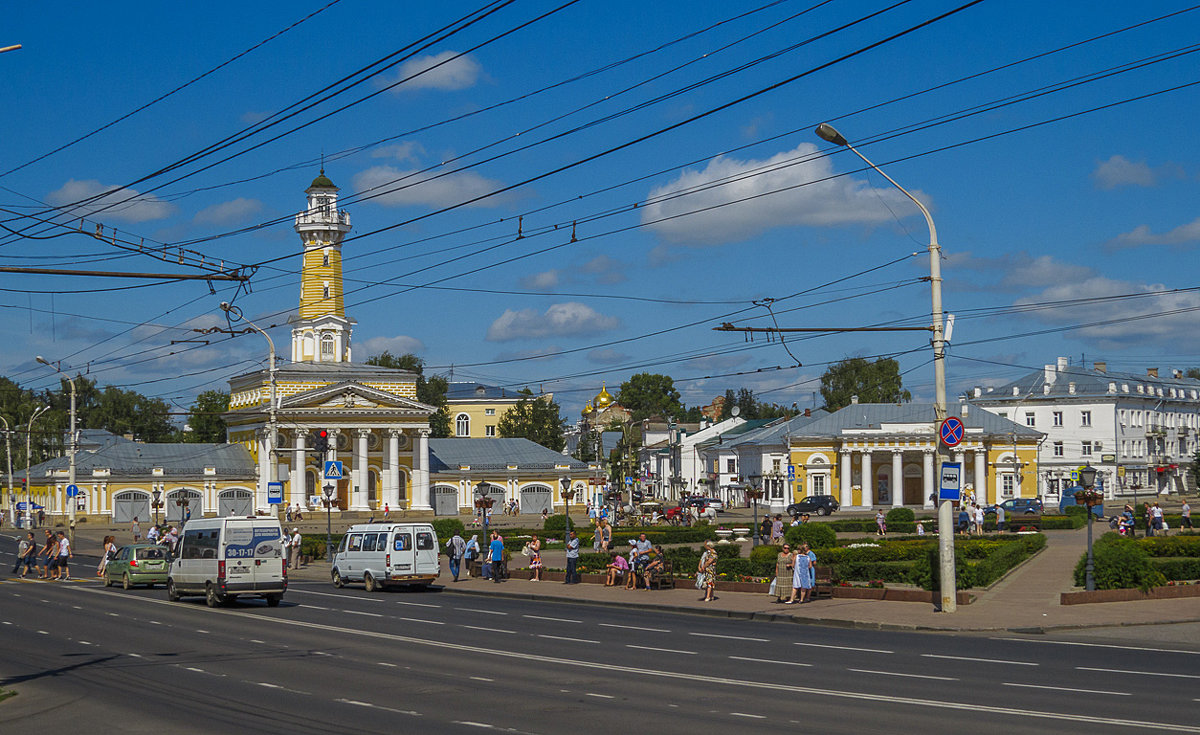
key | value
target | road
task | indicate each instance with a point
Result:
(349, 661)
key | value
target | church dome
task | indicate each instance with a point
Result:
(603, 399)
(587, 409)
(322, 182)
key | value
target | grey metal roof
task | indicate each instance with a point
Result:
(873, 415)
(1089, 383)
(495, 454)
(777, 432)
(728, 436)
(462, 391)
(129, 458)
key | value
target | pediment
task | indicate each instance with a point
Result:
(350, 396)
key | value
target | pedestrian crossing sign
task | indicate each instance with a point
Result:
(333, 470)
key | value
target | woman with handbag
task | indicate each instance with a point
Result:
(706, 572)
(783, 574)
(535, 558)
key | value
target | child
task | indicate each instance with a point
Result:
(920, 528)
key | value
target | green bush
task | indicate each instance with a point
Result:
(861, 571)
(765, 554)
(1075, 510)
(1009, 554)
(445, 528)
(1055, 523)
(900, 515)
(816, 535)
(313, 545)
(1182, 545)
(1119, 564)
(1179, 569)
(926, 571)
(556, 524)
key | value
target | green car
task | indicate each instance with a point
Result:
(138, 564)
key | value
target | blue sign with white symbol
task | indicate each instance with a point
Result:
(72, 491)
(791, 472)
(950, 486)
(952, 431)
(275, 493)
(333, 470)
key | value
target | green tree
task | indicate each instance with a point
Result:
(650, 394)
(204, 418)
(535, 418)
(431, 390)
(1193, 373)
(872, 382)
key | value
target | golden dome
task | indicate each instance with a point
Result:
(603, 399)
(587, 409)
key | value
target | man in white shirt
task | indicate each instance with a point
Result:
(296, 542)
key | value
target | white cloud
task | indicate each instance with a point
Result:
(746, 207)
(1020, 269)
(549, 352)
(139, 208)
(236, 210)
(544, 281)
(398, 345)
(407, 151)
(559, 320)
(419, 188)
(608, 356)
(440, 71)
(603, 269)
(1119, 171)
(1142, 235)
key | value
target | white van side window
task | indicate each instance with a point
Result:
(424, 540)
(355, 542)
(345, 540)
(368, 543)
(403, 542)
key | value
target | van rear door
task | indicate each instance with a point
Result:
(253, 554)
(426, 551)
(403, 559)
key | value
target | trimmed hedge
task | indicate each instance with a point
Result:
(1178, 569)
(816, 535)
(1183, 545)
(1008, 555)
(900, 515)
(1119, 563)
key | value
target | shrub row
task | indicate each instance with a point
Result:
(1178, 569)
(1119, 563)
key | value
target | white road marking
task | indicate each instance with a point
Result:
(415, 604)
(743, 714)
(490, 630)
(662, 650)
(419, 620)
(1139, 673)
(385, 663)
(202, 632)
(155, 622)
(566, 638)
(910, 676)
(982, 660)
(268, 685)
(42, 632)
(85, 643)
(314, 607)
(767, 661)
(481, 678)
(6, 622)
(844, 648)
(113, 615)
(600, 696)
(343, 597)
(691, 677)
(557, 620)
(1100, 645)
(198, 671)
(485, 612)
(468, 723)
(76, 607)
(731, 637)
(1069, 689)
(359, 612)
(631, 627)
(135, 655)
(255, 640)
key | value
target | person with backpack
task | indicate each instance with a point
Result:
(456, 548)
(26, 555)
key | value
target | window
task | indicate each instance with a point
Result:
(327, 345)
(403, 542)
(1004, 414)
(489, 430)
(355, 542)
(1085, 449)
(1124, 414)
(1058, 418)
(462, 425)
(1052, 485)
(1085, 418)
(818, 486)
(369, 542)
(424, 541)
(325, 259)
(1058, 449)
(1029, 421)
(1008, 484)
(489, 412)
(776, 464)
(731, 466)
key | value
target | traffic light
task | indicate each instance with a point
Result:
(321, 441)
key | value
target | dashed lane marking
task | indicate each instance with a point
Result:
(566, 638)
(753, 717)
(481, 678)
(731, 637)
(360, 612)
(490, 630)
(1068, 689)
(981, 660)
(477, 610)
(1138, 673)
(908, 676)
(660, 650)
(844, 648)
(768, 661)
(1100, 645)
(419, 620)
(634, 627)
(556, 620)
(600, 696)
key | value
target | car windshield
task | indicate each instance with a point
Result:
(150, 552)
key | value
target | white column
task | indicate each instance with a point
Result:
(959, 458)
(928, 479)
(359, 491)
(420, 474)
(981, 488)
(393, 467)
(846, 479)
(298, 474)
(897, 478)
(264, 473)
(868, 484)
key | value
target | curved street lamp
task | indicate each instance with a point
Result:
(28, 460)
(235, 314)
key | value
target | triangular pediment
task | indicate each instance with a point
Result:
(348, 396)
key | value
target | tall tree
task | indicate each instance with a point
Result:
(431, 390)
(650, 394)
(872, 382)
(1193, 373)
(535, 418)
(204, 418)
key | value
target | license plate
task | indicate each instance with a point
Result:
(238, 571)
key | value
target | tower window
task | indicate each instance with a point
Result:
(327, 345)
(325, 259)
(325, 292)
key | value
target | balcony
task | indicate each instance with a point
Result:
(317, 217)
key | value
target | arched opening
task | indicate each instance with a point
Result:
(327, 342)
(462, 425)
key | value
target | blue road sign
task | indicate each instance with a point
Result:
(275, 493)
(950, 486)
(951, 431)
(72, 491)
(791, 472)
(333, 470)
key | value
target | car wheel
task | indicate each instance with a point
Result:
(107, 581)
(822, 512)
(172, 593)
(273, 600)
(370, 583)
(125, 583)
(211, 598)
(338, 580)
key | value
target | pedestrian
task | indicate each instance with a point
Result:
(1148, 517)
(497, 552)
(64, 557)
(783, 574)
(706, 572)
(641, 556)
(470, 551)
(1185, 513)
(49, 555)
(591, 512)
(297, 542)
(979, 520)
(41, 517)
(535, 559)
(920, 528)
(572, 576)
(880, 524)
(287, 514)
(777, 529)
(187, 514)
(455, 548)
(764, 528)
(106, 554)
(136, 529)
(1001, 524)
(152, 535)
(654, 566)
(26, 555)
(617, 567)
(605, 536)
(299, 513)
(1156, 519)
(802, 578)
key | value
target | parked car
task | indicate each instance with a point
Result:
(137, 564)
(1017, 506)
(702, 503)
(821, 505)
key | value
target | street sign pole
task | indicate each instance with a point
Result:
(950, 434)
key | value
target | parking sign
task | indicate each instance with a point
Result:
(950, 487)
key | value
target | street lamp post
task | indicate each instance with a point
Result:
(567, 494)
(71, 461)
(484, 503)
(945, 520)
(157, 504)
(328, 490)
(1089, 498)
(8, 496)
(755, 493)
(235, 314)
(28, 460)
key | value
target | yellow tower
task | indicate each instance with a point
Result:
(320, 330)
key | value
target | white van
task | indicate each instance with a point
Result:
(224, 558)
(385, 554)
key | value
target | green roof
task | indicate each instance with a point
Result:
(322, 182)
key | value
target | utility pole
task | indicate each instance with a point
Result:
(8, 496)
(71, 502)
(235, 314)
(28, 460)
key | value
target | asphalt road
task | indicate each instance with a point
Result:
(347, 661)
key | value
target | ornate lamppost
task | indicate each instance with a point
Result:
(328, 490)
(157, 504)
(1090, 498)
(754, 493)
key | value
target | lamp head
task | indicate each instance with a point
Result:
(1087, 476)
(224, 306)
(41, 359)
(827, 132)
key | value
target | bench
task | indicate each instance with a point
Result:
(823, 586)
(1018, 521)
(662, 578)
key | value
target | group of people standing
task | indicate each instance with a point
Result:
(51, 560)
(795, 574)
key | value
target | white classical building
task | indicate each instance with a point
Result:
(1138, 430)
(675, 461)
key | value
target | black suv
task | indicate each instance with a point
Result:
(822, 505)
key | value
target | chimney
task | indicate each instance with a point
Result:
(807, 413)
(978, 391)
(1101, 367)
(1071, 388)
(1177, 374)
(1152, 372)
(1063, 362)
(1016, 390)
(853, 400)
(1049, 374)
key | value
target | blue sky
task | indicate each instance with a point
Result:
(1049, 181)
